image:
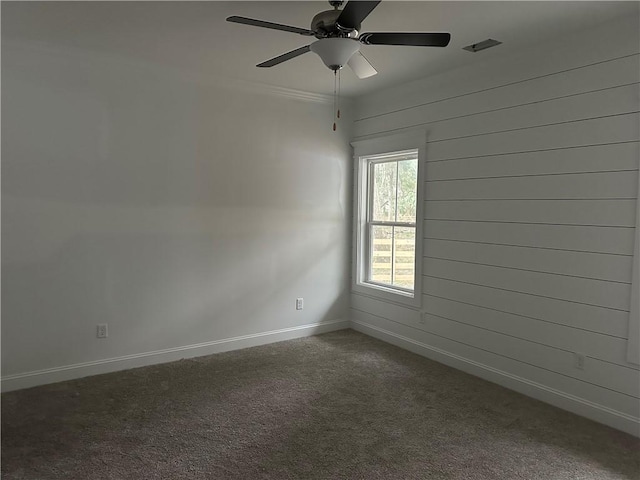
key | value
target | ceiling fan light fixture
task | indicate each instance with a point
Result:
(335, 52)
(339, 38)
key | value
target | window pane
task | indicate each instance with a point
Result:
(384, 191)
(404, 257)
(380, 271)
(391, 195)
(407, 183)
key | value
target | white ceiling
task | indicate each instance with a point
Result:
(196, 37)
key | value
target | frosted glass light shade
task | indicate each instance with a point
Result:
(335, 52)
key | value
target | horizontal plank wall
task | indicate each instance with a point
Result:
(530, 211)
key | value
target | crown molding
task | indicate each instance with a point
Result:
(208, 80)
(282, 91)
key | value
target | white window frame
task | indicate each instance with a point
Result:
(364, 150)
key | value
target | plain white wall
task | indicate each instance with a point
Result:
(178, 210)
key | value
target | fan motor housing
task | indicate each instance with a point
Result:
(325, 25)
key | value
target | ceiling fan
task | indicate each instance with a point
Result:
(339, 39)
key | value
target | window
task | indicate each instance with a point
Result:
(391, 219)
(388, 227)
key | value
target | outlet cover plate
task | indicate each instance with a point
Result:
(102, 331)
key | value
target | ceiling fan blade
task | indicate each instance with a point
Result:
(284, 57)
(361, 66)
(354, 12)
(273, 26)
(415, 39)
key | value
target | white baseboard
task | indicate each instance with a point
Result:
(565, 401)
(79, 370)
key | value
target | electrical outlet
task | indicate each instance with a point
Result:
(578, 361)
(299, 303)
(102, 331)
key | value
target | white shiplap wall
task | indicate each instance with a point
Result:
(530, 200)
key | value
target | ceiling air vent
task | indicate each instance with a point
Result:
(476, 47)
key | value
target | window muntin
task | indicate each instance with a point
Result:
(390, 230)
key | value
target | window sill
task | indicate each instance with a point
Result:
(380, 292)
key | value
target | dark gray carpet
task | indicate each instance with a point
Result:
(340, 406)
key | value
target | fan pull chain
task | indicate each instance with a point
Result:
(334, 96)
(338, 101)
